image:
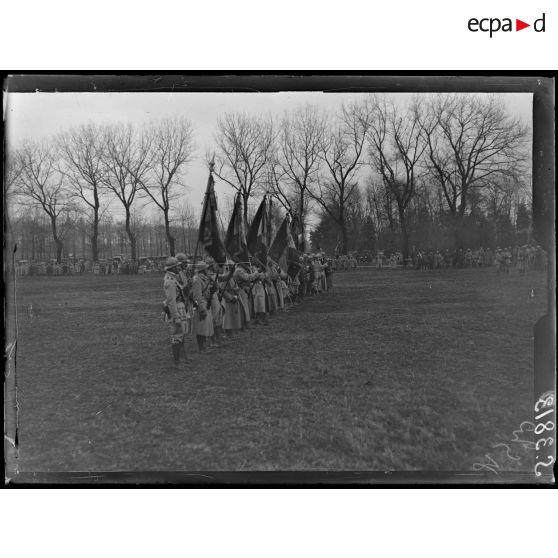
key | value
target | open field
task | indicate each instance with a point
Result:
(393, 370)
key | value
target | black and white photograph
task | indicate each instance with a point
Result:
(267, 279)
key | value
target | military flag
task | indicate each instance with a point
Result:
(208, 234)
(283, 251)
(270, 223)
(278, 249)
(256, 239)
(297, 234)
(235, 239)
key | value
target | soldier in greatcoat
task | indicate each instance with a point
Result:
(271, 278)
(185, 278)
(230, 293)
(203, 320)
(175, 309)
(244, 278)
(216, 304)
(259, 296)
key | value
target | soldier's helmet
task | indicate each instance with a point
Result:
(170, 263)
(181, 257)
(201, 266)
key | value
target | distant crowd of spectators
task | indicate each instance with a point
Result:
(522, 258)
(81, 266)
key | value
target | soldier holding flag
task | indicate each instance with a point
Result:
(203, 288)
(203, 320)
(230, 292)
(256, 241)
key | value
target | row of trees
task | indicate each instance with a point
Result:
(376, 169)
(373, 170)
(503, 219)
(84, 170)
(31, 232)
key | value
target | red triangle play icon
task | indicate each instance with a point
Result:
(519, 25)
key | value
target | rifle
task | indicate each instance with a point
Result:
(222, 292)
(212, 290)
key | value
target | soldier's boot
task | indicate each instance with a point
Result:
(202, 345)
(207, 345)
(176, 354)
(213, 341)
(223, 335)
(263, 318)
(217, 336)
(199, 339)
(187, 360)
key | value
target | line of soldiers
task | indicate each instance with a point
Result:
(522, 257)
(213, 301)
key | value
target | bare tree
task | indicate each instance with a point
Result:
(244, 147)
(126, 160)
(294, 166)
(470, 139)
(171, 150)
(12, 173)
(41, 184)
(396, 148)
(188, 221)
(342, 151)
(81, 165)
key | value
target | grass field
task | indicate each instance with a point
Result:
(394, 370)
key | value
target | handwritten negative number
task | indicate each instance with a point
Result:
(547, 442)
(542, 464)
(544, 427)
(546, 402)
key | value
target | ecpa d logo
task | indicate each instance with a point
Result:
(492, 25)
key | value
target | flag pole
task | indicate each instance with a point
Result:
(205, 197)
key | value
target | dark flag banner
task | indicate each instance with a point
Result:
(257, 235)
(296, 231)
(235, 239)
(283, 251)
(269, 223)
(293, 256)
(278, 249)
(208, 235)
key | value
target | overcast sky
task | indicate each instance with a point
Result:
(40, 115)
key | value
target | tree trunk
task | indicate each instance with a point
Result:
(344, 235)
(404, 241)
(59, 249)
(245, 210)
(95, 236)
(302, 218)
(59, 243)
(463, 202)
(94, 247)
(404, 232)
(170, 238)
(131, 236)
